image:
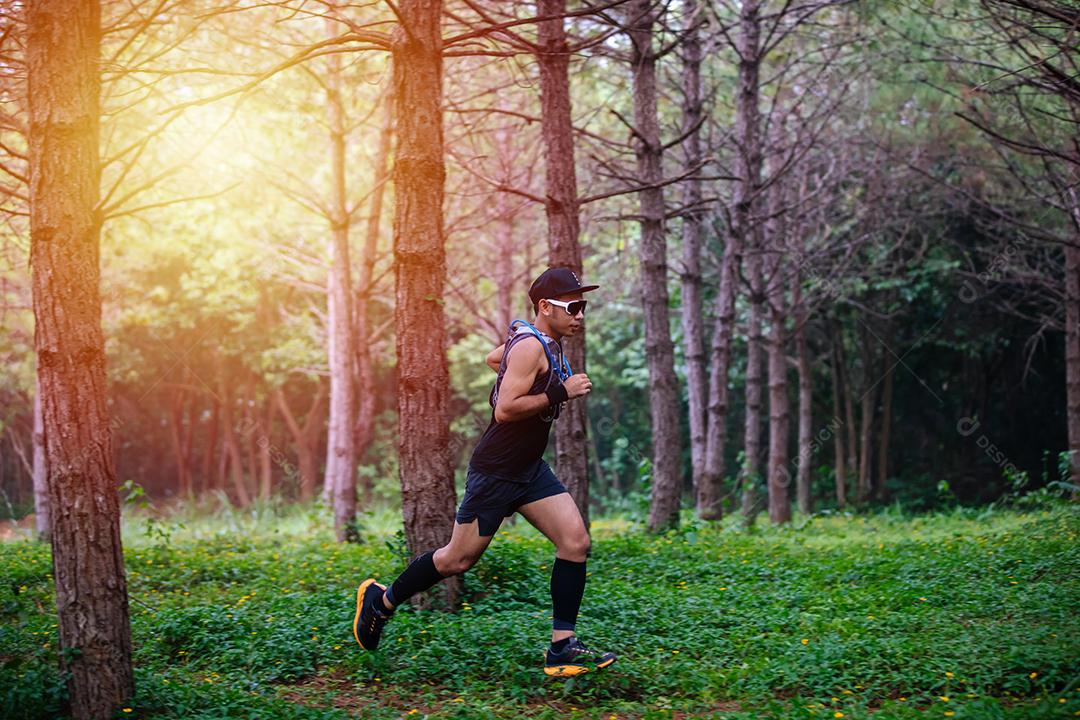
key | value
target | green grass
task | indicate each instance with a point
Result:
(247, 614)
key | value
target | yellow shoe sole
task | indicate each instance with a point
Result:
(571, 670)
(359, 604)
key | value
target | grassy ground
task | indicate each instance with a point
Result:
(248, 615)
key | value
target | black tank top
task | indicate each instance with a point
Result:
(512, 449)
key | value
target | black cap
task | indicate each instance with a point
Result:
(554, 282)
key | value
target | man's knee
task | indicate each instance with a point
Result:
(576, 546)
(455, 563)
(462, 563)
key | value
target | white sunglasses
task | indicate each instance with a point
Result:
(572, 308)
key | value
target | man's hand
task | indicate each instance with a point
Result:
(577, 385)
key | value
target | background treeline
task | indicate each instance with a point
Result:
(892, 201)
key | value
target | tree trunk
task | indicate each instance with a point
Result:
(365, 367)
(210, 448)
(340, 479)
(187, 446)
(711, 485)
(866, 416)
(40, 472)
(63, 52)
(1072, 351)
(840, 476)
(806, 389)
(779, 416)
(264, 442)
(561, 208)
(304, 438)
(849, 410)
(750, 473)
(748, 159)
(223, 463)
(175, 420)
(882, 489)
(231, 446)
(776, 231)
(180, 438)
(779, 475)
(693, 219)
(659, 349)
(250, 430)
(427, 478)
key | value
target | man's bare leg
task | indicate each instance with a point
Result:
(461, 553)
(558, 518)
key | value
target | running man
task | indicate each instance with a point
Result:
(507, 474)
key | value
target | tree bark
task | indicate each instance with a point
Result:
(340, 480)
(708, 506)
(748, 160)
(779, 417)
(176, 434)
(40, 472)
(562, 211)
(365, 366)
(750, 473)
(427, 479)
(264, 442)
(711, 485)
(882, 489)
(1072, 341)
(231, 446)
(867, 402)
(849, 410)
(806, 410)
(223, 462)
(187, 444)
(839, 463)
(210, 448)
(659, 349)
(1072, 353)
(63, 52)
(779, 473)
(250, 426)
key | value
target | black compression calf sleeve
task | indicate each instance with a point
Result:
(567, 588)
(418, 577)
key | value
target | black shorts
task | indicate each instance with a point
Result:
(491, 499)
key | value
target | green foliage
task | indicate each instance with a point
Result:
(886, 614)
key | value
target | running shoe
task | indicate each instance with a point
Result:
(575, 659)
(371, 614)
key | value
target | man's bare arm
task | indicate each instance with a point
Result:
(494, 358)
(527, 360)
